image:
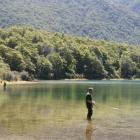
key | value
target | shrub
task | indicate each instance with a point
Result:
(11, 76)
(24, 75)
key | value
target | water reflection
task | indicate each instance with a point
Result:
(31, 107)
(89, 130)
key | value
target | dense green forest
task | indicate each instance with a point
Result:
(27, 53)
(117, 20)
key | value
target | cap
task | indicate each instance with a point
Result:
(90, 89)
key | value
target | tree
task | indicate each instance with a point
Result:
(44, 68)
(70, 62)
(94, 69)
(128, 68)
(44, 49)
(15, 60)
(12, 42)
(45, 55)
(58, 64)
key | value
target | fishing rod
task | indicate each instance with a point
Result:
(98, 105)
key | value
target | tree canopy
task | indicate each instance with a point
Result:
(27, 53)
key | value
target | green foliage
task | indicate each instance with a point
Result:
(128, 68)
(24, 75)
(11, 76)
(70, 61)
(12, 42)
(27, 53)
(58, 65)
(117, 20)
(44, 68)
(4, 68)
(94, 69)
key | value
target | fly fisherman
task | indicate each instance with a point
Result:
(89, 103)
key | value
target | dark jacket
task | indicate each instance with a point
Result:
(88, 98)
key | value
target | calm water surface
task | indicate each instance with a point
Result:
(44, 106)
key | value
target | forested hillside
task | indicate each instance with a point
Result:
(117, 20)
(27, 53)
(133, 5)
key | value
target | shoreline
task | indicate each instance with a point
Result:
(20, 82)
(62, 80)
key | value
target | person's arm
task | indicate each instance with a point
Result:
(93, 102)
(89, 101)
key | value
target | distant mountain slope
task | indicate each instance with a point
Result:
(133, 5)
(108, 19)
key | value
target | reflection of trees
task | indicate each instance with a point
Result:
(119, 94)
(29, 106)
(34, 104)
(22, 110)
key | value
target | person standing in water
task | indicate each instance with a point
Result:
(4, 86)
(89, 103)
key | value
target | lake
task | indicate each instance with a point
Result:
(52, 110)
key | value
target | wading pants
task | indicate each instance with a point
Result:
(89, 114)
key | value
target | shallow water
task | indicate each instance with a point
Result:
(56, 110)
